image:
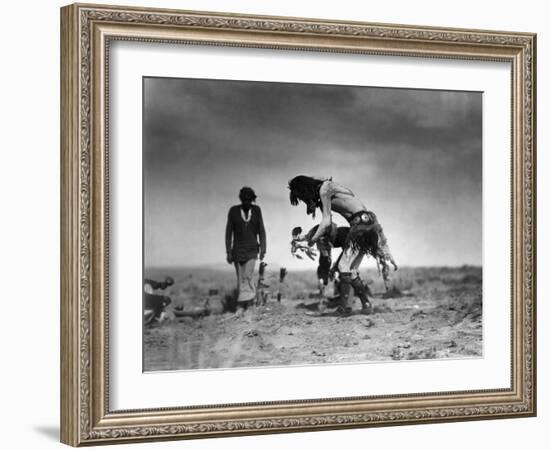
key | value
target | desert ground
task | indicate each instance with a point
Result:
(432, 312)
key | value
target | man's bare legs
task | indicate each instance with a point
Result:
(348, 266)
(361, 290)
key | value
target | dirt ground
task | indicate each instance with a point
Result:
(431, 313)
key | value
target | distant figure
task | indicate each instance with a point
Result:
(365, 236)
(282, 275)
(155, 304)
(244, 239)
(335, 237)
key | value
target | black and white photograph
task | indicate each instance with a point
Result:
(289, 224)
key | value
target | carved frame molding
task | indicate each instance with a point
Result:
(86, 32)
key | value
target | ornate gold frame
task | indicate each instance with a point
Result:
(86, 31)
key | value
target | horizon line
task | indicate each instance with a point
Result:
(230, 266)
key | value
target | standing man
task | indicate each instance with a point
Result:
(244, 239)
(365, 236)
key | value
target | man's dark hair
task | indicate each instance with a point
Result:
(365, 238)
(247, 193)
(306, 189)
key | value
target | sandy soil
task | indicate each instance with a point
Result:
(433, 313)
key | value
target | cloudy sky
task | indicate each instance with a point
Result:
(414, 157)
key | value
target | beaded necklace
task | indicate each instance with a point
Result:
(246, 216)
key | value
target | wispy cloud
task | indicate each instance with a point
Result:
(414, 157)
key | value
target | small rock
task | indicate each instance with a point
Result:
(418, 315)
(368, 323)
(381, 309)
(397, 353)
